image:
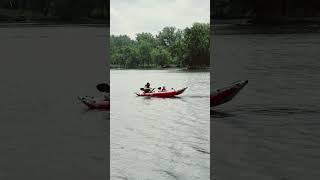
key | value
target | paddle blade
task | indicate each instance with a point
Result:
(103, 87)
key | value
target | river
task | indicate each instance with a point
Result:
(45, 132)
(271, 129)
(155, 138)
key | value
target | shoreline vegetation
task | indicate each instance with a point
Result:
(170, 48)
(203, 68)
(265, 16)
(51, 12)
(267, 12)
(242, 26)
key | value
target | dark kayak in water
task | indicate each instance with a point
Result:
(226, 94)
(162, 94)
(95, 103)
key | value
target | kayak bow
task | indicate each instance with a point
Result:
(165, 94)
(226, 94)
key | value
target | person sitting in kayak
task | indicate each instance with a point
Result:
(147, 88)
(105, 89)
(163, 89)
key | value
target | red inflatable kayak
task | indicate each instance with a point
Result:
(226, 94)
(95, 103)
(165, 94)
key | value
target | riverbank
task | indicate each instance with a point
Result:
(246, 26)
(49, 24)
(27, 19)
(166, 68)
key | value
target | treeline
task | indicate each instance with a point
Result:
(170, 47)
(265, 10)
(63, 10)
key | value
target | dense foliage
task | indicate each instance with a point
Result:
(265, 10)
(61, 10)
(170, 47)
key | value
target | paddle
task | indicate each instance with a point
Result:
(159, 88)
(142, 89)
(103, 87)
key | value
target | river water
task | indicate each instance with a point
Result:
(154, 138)
(271, 129)
(45, 132)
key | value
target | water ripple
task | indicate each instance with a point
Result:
(154, 138)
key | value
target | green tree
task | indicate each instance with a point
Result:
(146, 37)
(197, 42)
(160, 56)
(167, 37)
(181, 48)
(178, 48)
(145, 43)
(173, 40)
(132, 57)
(120, 41)
(144, 49)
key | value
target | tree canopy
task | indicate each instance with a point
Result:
(170, 47)
(61, 10)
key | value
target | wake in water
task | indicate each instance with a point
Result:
(160, 138)
(268, 110)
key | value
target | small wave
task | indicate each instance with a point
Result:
(119, 177)
(283, 111)
(200, 150)
(265, 110)
(197, 96)
(170, 174)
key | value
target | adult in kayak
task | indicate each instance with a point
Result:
(105, 89)
(147, 88)
(98, 103)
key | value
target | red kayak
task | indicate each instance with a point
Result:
(162, 94)
(226, 94)
(95, 103)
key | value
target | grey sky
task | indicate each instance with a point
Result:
(134, 16)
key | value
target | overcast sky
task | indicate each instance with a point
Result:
(134, 16)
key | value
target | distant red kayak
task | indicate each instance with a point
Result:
(95, 103)
(165, 94)
(226, 94)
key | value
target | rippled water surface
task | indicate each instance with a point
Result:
(271, 130)
(154, 138)
(44, 132)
